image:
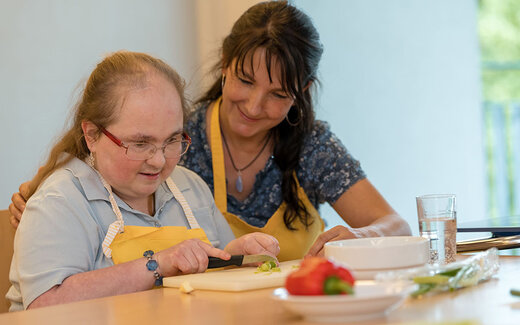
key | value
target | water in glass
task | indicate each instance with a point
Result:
(441, 231)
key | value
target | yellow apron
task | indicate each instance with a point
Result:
(294, 244)
(127, 243)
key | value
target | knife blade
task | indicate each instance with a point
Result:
(238, 260)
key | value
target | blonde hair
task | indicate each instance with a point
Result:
(102, 94)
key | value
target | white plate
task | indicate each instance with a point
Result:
(370, 300)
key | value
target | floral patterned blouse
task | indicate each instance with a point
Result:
(326, 170)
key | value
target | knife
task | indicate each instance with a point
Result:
(238, 260)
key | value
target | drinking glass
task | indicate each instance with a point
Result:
(438, 223)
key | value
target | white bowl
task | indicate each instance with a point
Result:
(379, 253)
(370, 300)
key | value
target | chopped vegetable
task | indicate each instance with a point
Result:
(423, 288)
(515, 292)
(186, 287)
(268, 268)
(434, 279)
(319, 276)
(451, 279)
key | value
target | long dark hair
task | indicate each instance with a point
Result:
(287, 35)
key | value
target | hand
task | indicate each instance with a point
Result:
(190, 256)
(254, 243)
(336, 233)
(18, 205)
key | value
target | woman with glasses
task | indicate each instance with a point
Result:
(257, 144)
(109, 212)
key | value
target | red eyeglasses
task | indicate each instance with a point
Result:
(145, 151)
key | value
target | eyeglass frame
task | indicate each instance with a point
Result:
(118, 142)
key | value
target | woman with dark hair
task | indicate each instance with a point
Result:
(257, 144)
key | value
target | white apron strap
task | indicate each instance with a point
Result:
(185, 207)
(113, 230)
(118, 226)
(115, 227)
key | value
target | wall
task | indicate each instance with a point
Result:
(401, 89)
(214, 21)
(400, 81)
(48, 49)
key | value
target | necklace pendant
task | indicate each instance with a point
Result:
(238, 184)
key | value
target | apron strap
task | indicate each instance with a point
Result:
(118, 226)
(115, 227)
(184, 204)
(217, 155)
(113, 203)
(113, 230)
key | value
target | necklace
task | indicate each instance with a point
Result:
(238, 184)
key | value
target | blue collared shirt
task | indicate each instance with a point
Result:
(66, 220)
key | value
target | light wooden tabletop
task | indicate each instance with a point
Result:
(487, 303)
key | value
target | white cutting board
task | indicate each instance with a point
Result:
(235, 279)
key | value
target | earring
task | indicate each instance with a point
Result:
(222, 81)
(299, 119)
(90, 160)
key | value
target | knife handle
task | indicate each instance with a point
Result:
(215, 262)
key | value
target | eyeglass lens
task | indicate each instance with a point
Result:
(144, 151)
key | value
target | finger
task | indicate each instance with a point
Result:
(321, 253)
(321, 240)
(186, 261)
(259, 243)
(14, 216)
(318, 249)
(187, 255)
(13, 212)
(252, 246)
(17, 206)
(14, 222)
(317, 246)
(201, 259)
(269, 243)
(207, 250)
(334, 234)
(204, 250)
(215, 252)
(24, 190)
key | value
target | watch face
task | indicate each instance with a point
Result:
(152, 265)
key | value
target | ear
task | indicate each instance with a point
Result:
(224, 70)
(309, 84)
(90, 132)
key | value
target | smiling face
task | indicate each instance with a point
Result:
(152, 114)
(251, 103)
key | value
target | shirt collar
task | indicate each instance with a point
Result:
(94, 189)
(88, 178)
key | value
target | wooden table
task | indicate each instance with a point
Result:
(487, 303)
